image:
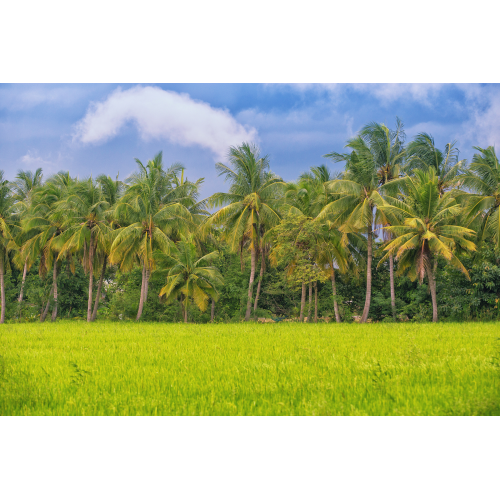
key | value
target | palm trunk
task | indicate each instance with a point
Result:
(250, 285)
(335, 304)
(91, 277)
(186, 310)
(146, 285)
(393, 295)
(309, 309)
(432, 286)
(143, 287)
(262, 269)
(25, 270)
(54, 286)
(99, 288)
(315, 301)
(2, 289)
(366, 309)
(242, 263)
(212, 311)
(302, 302)
(46, 310)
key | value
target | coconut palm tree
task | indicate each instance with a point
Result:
(482, 178)
(423, 154)
(250, 208)
(153, 207)
(86, 228)
(24, 186)
(6, 235)
(423, 225)
(190, 277)
(376, 158)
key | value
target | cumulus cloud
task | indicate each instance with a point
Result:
(163, 114)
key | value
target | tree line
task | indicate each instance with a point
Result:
(410, 210)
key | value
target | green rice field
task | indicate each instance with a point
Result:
(75, 368)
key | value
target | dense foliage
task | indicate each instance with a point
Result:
(407, 232)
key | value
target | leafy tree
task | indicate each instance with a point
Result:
(424, 229)
(251, 206)
(190, 277)
(6, 236)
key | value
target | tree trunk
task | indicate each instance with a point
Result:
(366, 309)
(393, 295)
(186, 310)
(316, 301)
(432, 286)
(262, 269)
(146, 285)
(99, 288)
(302, 302)
(143, 287)
(46, 310)
(250, 285)
(91, 277)
(212, 311)
(54, 286)
(309, 309)
(242, 262)
(25, 270)
(2, 289)
(335, 304)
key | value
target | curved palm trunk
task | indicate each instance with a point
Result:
(250, 285)
(259, 284)
(212, 311)
(25, 270)
(186, 310)
(315, 301)
(91, 277)
(99, 288)
(432, 286)
(366, 309)
(393, 295)
(302, 302)
(2, 290)
(309, 309)
(143, 287)
(54, 287)
(335, 304)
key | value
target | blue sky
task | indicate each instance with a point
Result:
(100, 128)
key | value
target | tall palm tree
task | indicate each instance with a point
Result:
(153, 207)
(423, 154)
(6, 236)
(376, 158)
(250, 207)
(191, 277)
(482, 178)
(424, 229)
(86, 227)
(24, 186)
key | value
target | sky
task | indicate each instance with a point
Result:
(89, 129)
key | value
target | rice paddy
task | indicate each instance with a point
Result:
(75, 368)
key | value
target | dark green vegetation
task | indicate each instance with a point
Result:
(75, 368)
(406, 232)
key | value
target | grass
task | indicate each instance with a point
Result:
(72, 368)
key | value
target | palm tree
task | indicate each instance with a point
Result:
(423, 223)
(190, 276)
(42, 230)
(86, 228)
(251, 206)
(376, 158)
(24, 186)
(6, 236)
(423, 154)
(153, 206)
(483, 205)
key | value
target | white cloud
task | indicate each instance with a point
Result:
(164, 114)
(484, 127)
(31, 159)
(21, 97)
